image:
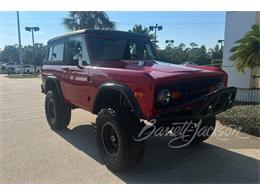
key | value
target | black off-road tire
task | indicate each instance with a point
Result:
(58, 114)
(128, 153)
(210, 123)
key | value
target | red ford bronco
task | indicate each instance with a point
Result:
(116, 75)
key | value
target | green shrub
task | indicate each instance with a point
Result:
(244, 117)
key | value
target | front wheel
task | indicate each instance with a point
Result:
(58, 114)
(115, 129)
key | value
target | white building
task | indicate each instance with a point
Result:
(248, 84)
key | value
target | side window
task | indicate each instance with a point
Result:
(132, 50)
(50, 53)
(56, 52)
(149, 52)
(77, 51)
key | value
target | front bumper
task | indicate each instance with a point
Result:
(208, 105)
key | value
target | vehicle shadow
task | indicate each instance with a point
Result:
(83, 138)
(203, 163)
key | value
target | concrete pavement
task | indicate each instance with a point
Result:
(30, 152)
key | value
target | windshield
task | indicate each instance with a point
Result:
(120, 49)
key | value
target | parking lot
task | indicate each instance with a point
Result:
(30, 152)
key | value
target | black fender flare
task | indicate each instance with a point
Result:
(53, 79)
(123, 89)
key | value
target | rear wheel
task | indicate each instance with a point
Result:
(58, 114)
(115, 130)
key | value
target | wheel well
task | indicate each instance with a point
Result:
(54, 85)
(50, 86)
(109, 97)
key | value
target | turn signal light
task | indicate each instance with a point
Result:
(139, 94)
(176, 94)
(212, 88)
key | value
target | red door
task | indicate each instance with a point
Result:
(76, 72)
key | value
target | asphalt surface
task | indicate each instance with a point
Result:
(30, 152)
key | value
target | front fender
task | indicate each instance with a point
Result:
(123, 89)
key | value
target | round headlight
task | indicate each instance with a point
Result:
(220, 85)
(164, 96)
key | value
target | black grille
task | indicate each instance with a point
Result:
(190, 90)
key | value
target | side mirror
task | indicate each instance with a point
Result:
(78, 58)
(80, 65)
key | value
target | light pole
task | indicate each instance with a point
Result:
(32, 29)
(155, 28)
(19, 40)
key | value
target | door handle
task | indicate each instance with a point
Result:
(89, 80)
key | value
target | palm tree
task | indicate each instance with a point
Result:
(138, 28)
(88, 19)
(193, 45)
(246, 54)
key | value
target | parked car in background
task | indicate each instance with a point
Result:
(16, 68)
(2, 64)
(28, 69)
(2, 67)
(37, 69)
(11, 66)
